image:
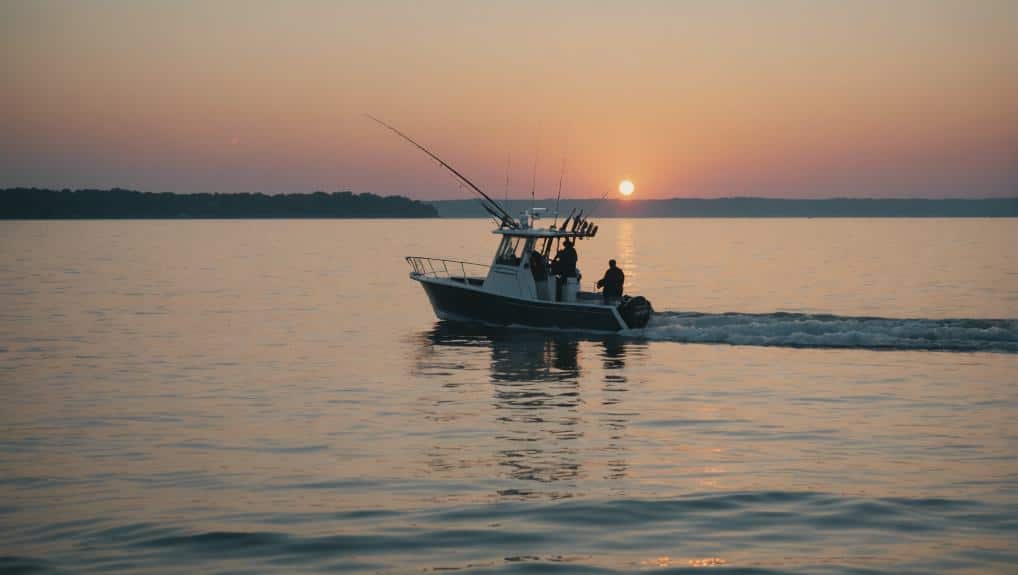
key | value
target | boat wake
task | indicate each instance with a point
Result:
(831, 331)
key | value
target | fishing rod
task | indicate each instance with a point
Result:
(599, 200)
(495, 208)
(508, 166)
(565, 224)
(497, 218)
(561, 174)
(577, 220)
(533, 183)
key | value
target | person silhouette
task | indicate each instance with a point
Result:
(564, 266)
(612, 283)
(567, 258)
(538, 266)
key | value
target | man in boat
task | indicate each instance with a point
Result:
(566, 259)
(564, 266)
(612, 283)
(538, 266)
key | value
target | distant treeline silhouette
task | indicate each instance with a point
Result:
(758, 208)
(34, 203)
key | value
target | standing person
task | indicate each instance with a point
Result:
(564, 266)
(612, 283)
(538, 266)
(567, 259)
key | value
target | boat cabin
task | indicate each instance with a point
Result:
(522, 266)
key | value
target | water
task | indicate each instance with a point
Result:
(813, 396)
(824, 330)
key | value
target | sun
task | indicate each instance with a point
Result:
(626, 187)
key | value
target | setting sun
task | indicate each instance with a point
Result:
(626, 187)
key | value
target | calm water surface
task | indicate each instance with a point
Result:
(813, 396)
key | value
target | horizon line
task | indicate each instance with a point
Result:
(549, 199)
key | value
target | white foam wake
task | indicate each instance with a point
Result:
(808, 330)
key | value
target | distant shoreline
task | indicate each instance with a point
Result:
(44, 204)
(756, 208)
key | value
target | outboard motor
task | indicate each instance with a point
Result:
(636, 311)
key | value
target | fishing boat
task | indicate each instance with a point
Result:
(520, 286)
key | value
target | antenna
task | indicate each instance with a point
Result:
(496, 209)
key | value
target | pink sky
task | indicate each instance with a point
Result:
(687, 99)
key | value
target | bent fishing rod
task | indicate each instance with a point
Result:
(495, 209)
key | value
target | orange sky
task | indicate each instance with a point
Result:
(687, 99)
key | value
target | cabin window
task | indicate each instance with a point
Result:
(509, 252)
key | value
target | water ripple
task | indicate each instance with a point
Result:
(831, 331)
(662, 535)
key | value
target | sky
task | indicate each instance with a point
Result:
(793, 99)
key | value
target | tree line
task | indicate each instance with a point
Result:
(36, 203)
(758, 208)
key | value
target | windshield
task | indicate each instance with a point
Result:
(510, 251)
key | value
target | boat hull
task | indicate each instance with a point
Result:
(458, 302)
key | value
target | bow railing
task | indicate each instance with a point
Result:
(442, 268)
